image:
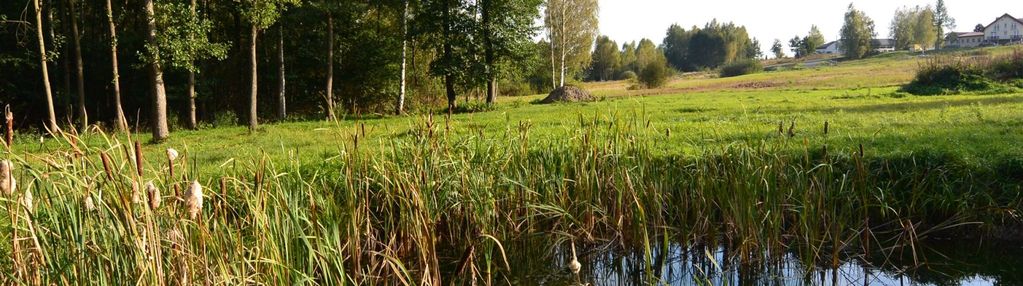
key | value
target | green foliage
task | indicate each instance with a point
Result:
(654, 74)
(777, 49)
(742, 67)
(857, 33)
(807, 45)
(952, 75)
(183, 36)
(606, 60)
(264, 13)
(676, 46)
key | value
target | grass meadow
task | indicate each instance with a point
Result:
(830, 163)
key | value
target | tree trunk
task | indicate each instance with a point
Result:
(253, 94)
(488, 43)
(282, 111)
(193, 123)
(83, 114)
(404, 54)
(449, 84)
(120, 122)
(330, 66)
(51, 123)
(564, 45)
(160, 130)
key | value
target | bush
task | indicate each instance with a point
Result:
(654, 75)
(627, 75)
(742, 67)
(1007, 68)
(952, 75)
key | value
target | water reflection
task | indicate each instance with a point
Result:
(936, 263)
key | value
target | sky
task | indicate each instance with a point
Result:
(632, 20)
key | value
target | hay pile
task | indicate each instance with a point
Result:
(567, 94)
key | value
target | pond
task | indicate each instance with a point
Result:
(941, 262)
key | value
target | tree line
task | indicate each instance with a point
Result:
(157, 64)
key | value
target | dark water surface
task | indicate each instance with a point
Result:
(945, 262)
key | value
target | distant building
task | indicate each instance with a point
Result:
(958, 40)
(877, 45)
(1006, 29)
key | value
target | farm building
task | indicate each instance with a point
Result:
(964, 39)
(878, 45)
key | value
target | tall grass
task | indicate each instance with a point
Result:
(430, 208)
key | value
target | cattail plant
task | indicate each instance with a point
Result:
(136, 193)
(6, 180)
(154, 195)
(193, 200)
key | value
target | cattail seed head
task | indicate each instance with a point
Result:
(154, 195)
(136, 196)
(26, 200)
(89, 204)
(194, 200)
(6, 180)
(172, 154)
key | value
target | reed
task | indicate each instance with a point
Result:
(433, 207)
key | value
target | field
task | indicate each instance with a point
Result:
(827, 162)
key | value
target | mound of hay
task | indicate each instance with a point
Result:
(567, 94)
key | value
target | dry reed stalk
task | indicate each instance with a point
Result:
(10, 126)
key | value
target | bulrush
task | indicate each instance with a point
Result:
(193, 200)
(6, 180)
(154, 195)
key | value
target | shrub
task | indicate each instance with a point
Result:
(654, 75)
(627, 75)
(742, 67)
(951, 75)
(1007, 68)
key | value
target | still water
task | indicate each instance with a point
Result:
(945, 262)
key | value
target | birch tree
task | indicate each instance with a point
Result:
(159, 121)
(119, 120)
(51, 122)
(571, 26)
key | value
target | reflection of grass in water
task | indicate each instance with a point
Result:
(439, 205)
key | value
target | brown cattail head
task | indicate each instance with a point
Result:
(6, 180)
(138, 157)
(825, 128)
(193, 200)
(154, 195)
(106, 165)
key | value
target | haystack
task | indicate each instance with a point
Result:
(567, 94)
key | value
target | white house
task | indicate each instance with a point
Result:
(878, 45)
(964, 39)
(830, 48)
(1004, 29)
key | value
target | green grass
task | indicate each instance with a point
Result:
(414, 199)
